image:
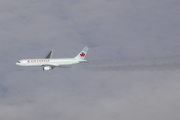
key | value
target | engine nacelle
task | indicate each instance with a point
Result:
(47, 68)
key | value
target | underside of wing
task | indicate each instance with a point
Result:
(49, 56)
(55, 65)
(50, 64)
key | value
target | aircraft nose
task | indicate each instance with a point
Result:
(17, 63)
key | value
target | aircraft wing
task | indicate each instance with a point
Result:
(55, 65)
(49, 56)
(50, 64)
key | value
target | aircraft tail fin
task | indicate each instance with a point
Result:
(83, 53)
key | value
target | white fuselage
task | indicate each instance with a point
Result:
(49, 62)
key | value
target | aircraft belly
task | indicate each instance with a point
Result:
(32, 64)
(63, 63)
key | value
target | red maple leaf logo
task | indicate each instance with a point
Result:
(82, 54)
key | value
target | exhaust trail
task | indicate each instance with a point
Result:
(142, 64)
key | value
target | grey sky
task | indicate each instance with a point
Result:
(118, 30)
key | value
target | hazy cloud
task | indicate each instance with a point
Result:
(119, 33)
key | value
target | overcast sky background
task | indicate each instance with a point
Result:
(134, 52)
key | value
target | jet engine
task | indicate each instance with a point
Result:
(47, 68)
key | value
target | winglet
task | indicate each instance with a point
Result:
(83, 53)
(49, 56)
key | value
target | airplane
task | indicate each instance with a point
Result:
(49, 63)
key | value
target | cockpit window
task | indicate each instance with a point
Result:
(18, 62)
